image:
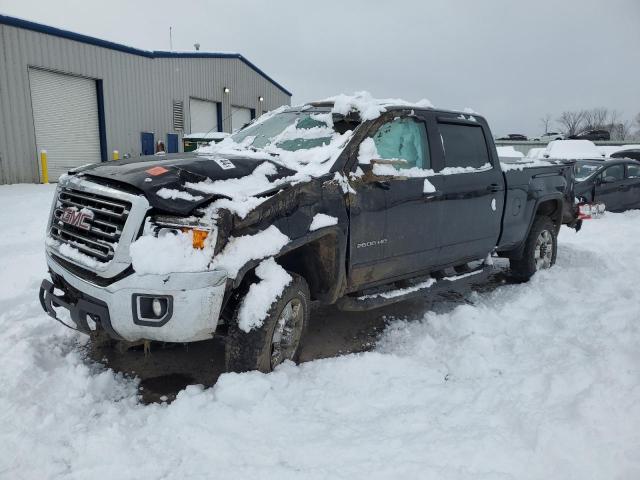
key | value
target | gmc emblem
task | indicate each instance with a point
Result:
(77, 218)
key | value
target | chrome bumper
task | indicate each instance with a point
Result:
(196, 303)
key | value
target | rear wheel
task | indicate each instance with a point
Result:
(539, 252)
(279, 337)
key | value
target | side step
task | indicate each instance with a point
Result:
(418, 288)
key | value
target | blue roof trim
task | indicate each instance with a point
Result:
(78, 37)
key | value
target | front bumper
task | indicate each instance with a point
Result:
(196, 303)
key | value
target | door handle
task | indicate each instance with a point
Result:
(494, 187)
(433, 195)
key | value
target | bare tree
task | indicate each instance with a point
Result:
(571, 121)
(545, 122)
(636, 122)
(596, 118)
(620, 130)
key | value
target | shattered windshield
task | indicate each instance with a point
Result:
(289, 131)
(585, 169)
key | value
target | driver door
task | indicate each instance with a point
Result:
(611, 188)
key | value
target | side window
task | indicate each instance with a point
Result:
(463, 145)
(633, 171)
(613, 174)
(403, 139)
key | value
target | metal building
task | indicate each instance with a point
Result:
(80, 98)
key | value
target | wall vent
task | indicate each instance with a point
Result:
(178, 115)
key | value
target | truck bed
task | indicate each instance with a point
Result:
(524, 184)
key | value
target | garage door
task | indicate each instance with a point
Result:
(203, 115)
(240, 116)
(65, 117)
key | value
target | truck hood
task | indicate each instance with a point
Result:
(179, 183)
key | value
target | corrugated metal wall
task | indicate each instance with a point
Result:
(138, 92)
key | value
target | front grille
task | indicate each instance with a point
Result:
(97, 232)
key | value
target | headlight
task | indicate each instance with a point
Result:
(202, 235)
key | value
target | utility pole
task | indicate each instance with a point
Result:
(170, 40)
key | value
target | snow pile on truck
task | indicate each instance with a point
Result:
(305, 148)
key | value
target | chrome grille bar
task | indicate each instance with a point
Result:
(100, 231)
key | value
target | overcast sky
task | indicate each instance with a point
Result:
(512, 61)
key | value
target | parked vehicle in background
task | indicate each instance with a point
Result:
(633, 153)
(614, 182)
(514, 137)
(549, 136)
(592, 135)
(308, 203)
(194, 140)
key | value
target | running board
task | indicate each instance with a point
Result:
(429, 286)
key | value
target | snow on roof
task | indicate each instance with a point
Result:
(572, 150)
(509, 152)
(207, 135)
(369, 108)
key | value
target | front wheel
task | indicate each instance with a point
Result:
(540, 250)
(278, 339)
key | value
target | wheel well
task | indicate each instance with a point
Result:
(551, 209)
(317, 262)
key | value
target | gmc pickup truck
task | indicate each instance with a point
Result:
(341, 202)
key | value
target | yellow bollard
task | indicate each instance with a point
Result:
(45, 169)
(116, 155)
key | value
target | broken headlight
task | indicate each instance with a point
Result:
(202, 234)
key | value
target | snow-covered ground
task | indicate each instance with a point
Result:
(532, 381)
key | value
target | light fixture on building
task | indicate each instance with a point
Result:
(261, 99)
(226, 89)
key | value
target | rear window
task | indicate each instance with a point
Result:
(464, 145)
(633, 171)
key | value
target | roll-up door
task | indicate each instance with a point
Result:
(240, 116)
(65, 117)
(203, 115)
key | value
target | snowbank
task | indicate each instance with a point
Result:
(531, 381)
(509, 152)
(536, 152)
(572, 150)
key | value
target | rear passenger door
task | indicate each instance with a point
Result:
(473, 190)
(633, 183)
(610, 188)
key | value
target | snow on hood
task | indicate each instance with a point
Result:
(298, 144)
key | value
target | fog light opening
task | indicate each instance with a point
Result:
(152, 310)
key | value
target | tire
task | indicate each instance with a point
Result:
(257, 350)
(540, 250)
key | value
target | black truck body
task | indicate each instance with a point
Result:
(390, 228)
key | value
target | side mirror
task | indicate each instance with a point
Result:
(609, 179)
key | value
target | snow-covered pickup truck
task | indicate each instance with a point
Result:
(352, 200)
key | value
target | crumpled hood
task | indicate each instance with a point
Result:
(153, 173)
